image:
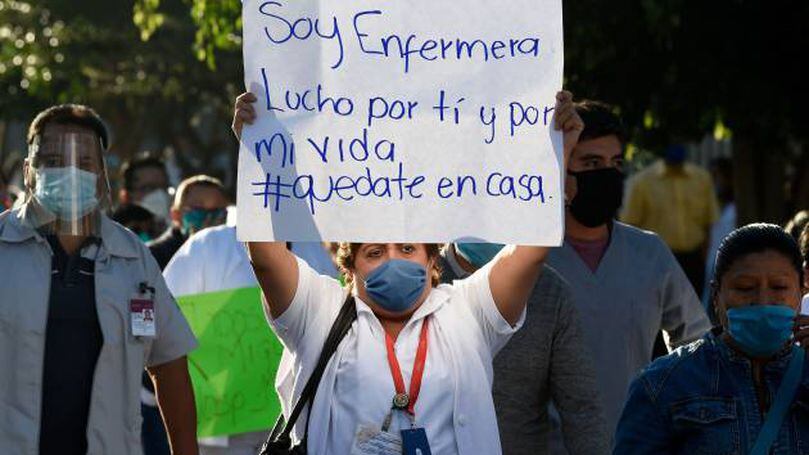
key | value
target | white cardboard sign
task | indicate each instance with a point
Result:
(391, 121)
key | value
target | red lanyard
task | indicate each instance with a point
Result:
(403, 400)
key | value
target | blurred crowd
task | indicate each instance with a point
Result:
(659, 326)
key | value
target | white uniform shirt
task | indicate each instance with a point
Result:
(211, 260)
(214, 260)
(455, 403)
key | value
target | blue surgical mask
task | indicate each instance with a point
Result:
(198, 219)
(761, 330)
(67, 192)
(478, 254)
(396, 285)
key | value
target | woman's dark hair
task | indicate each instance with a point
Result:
(755, 238)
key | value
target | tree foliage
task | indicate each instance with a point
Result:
(135, 62)
(678, 69)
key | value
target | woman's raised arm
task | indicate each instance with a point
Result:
(275, 267)
(516, 268)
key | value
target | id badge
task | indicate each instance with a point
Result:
(373, 441)
(142, 316)
(414, 442)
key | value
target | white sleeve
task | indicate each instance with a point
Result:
(308, 319)
(184, 272)
(476, 293)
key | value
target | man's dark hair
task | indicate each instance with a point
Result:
(129, 168)
(600, 120)
(69, 114)
(131, 213)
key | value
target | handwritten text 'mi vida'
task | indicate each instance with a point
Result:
(406, 48)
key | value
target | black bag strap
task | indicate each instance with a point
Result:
(347, 315)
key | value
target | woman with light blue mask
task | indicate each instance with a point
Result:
(413, 370)
(743, 388)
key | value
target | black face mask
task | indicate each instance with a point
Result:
(598, 197)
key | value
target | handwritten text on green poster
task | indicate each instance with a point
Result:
(233, 370)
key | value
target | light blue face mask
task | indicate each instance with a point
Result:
(761, 330)
(396, 285)
(198, 219)
(67, 192)
(478, 254)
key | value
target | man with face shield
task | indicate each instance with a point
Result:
(626, 283)
(88, 309)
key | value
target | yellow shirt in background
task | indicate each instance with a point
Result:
(678, 203)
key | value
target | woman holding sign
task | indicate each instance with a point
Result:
(414, 371)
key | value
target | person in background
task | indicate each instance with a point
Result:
(214, 260)
(6, 199)
(722, 173)
(795, 226)
(676, 200)
(722, 394)
(137, 219)
(146, 183)
(547, 359)
(200, 202)
(627, 286)
(74, 332)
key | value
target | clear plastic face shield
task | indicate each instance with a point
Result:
(66, 182)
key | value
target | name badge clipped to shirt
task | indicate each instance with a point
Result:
(375, 441)
(414, 442)
(141, 312)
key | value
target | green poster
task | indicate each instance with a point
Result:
(233, 370)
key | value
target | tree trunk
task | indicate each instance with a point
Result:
(759, 180)
(800, 183)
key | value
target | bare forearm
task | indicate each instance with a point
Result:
(176, 399)
(277, 272)
(514, 273)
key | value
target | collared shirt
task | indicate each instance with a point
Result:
(680, 205)
(702, 399)
(122, 262)
(546, 360)
(455, 403)
(637, 290)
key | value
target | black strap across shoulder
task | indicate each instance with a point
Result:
(279, 441)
